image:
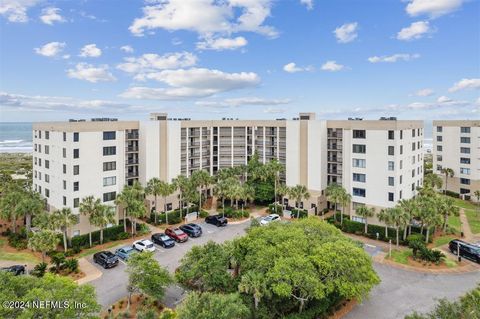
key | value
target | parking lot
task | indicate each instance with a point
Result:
(112, 285)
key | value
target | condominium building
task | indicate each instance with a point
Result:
(456, 145)
(378, 162)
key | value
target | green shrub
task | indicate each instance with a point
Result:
(452, 194)
(109, 234)
(58, 259)
(300, 213)
(71, 264)
(203, 214)
(275, 209)
(39, 270)
(415, 237)
(430, 255)
(17, 241)
(123, 235)
(143, 229)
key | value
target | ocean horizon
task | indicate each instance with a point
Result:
(16, 137)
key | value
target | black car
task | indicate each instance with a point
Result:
(106, 259)
(163, 240)
(467, 250)
(15, 269)
(192, 230)
(217, 220)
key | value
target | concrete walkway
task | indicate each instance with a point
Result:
(90, 271)
(467, 232)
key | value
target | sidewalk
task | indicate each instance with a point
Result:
(91, 272)
(465, 226)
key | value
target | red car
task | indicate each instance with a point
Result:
(176, 234)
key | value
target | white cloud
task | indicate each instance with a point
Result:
(150, 62)
(206, 17)
(220, 44)
(424, 92)
(51, 15)
(465, 84)
(346, 33)
(194, 82)
(416, 30)
(127, 49)
(51, 49)
(393, 58)
(293, 68)
(307, 3)
(16, 10)
(90, 73)
(432, 8)
(90, 50)
(236, 102)
(332, 66)
(274, 110)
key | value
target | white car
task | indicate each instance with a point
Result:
(143, 245)
(270, 218)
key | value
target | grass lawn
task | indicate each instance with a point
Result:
(440, 241)
(450, 263)
(400, 256)
(22, 257)
(93, 250)
(473, 217)
(454, 222)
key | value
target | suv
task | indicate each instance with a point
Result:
(192, 230)
(163, 240)
(217, 220)
(270, 218)
(176, 234)
(467, 250)
(143, 245)
(15, 269)
(106, 259)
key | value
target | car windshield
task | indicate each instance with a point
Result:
(127, 249)
(149, 245)
(109, 254)
(165, 237)
(178, 231)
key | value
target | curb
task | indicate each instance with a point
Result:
(91, 272)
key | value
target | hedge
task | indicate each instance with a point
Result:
(174, 216)
(452, 194)
(232, 213)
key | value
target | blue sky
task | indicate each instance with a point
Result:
(414, 59)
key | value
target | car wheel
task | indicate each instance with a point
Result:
(218, 224)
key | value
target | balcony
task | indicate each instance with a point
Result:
(130, 149)
(132, 175)
(132, 161)
(132, 136)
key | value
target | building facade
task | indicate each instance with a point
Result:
(377, 162)
(456, 145)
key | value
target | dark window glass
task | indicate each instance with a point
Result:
(109, 166)
(359, 148)
(107, 197)
(76, 136)
(109, 135)
(359, 134)
(359, 192)
(109, 150)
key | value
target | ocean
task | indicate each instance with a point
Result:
(15, 137)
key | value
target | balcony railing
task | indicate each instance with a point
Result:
(132, 136)
(132, 148)
(132, 161)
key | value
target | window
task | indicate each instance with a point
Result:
(109, 166)
(439, 158)
(464, 160)
(76, 153)
(391, 165)
(39, 134)
(413, 187)
(64, 184)
(109, 135)
(76, 169)
(401, 149)
(413, 172)
(76, 202)
(413, 146)
(465, 140)
(465, 150)
(358, 192)
(64, 169)
(357, 162)
(64, 201)
(401, 164)
(109, 150)
(39, 148)
(390, 197)
(359, 134)
(439, 148)
(359, 177)
(401, 179)
(464, 191)
(39, 162)
(47, 192)
(47, 135)
(359, 148)
(464, 181)
(391, 150)
(464, 129)
(107, 197)
(391, 181)
(413, 159)
(439, 129)
(47, 149)
(413, 133)
(400, 195)
(439, 138)
(47, 164)
(76, 136)
(391, 135)
(464, 170)
(64, 138)
(47, 178)
(108, 181)
(439, 167)
(64, 150)
(76, 186)
(401, 134)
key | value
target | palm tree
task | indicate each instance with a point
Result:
(103, 216)
(282, 190)
(431, 218)
(333, 193)
(433, 181)
(447, 208)
(477, 195)
(8, 206)
(153, 188)
(131, 199)
(30, 205)
(248, 194)
(166, 189)
(448, 173)
(202, 180)
(344, 200)
(385, 217)
(397, 218)
(410, 208)
(182, 183)
(64, 219)
(89, 207)
(221, 190)
(253, 283)
(274, 168)
(299, 193)
(365, 212)
(44, 241)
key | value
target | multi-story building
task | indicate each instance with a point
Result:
(456, 145)
(378, 162)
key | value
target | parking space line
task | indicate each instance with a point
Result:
(122, 261)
